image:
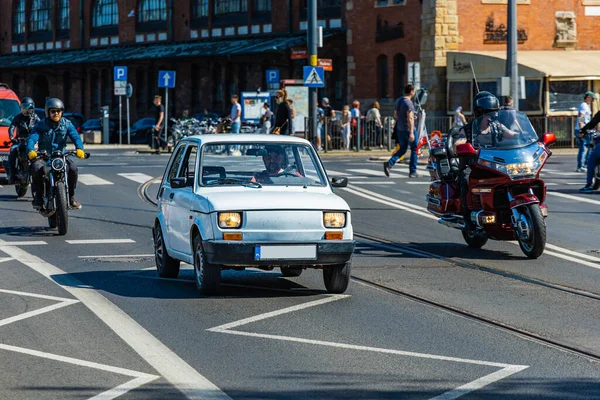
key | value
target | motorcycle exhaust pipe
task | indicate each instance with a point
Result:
(452, 223)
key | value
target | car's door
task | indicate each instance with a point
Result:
(182, 200)
(166, 193)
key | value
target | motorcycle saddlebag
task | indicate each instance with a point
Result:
(443, 198)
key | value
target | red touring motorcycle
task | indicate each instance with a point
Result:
(505, 200)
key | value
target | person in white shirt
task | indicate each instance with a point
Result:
(373, 120)
(584, 115)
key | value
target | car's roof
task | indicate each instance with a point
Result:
(6, 93)
(245, 138)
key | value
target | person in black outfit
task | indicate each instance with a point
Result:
(20, 127)
(283, 115)
(158, 134)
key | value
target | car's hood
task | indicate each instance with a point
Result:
(274, 199)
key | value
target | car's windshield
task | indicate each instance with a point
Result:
(8, 110)
(504, 129)
(257, 164)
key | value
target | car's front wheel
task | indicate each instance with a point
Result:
(207, 276)
(337, 277)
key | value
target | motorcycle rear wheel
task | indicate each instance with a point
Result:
(535, 245)
(62, 215)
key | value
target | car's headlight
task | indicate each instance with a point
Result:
(230, 220)
(525, 169)
(334, 219)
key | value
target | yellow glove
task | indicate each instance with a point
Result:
(32, 154)
(79, 153)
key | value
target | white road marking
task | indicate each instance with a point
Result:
(119, 256)
(92, 180)
(576, 198)
(108, 165)
(5, 259)
(137, 177)
(380, 174)
(62, 302)
(140, 378)
(168, 364)
(374, 183)
(331, 172)
(24, 243)
(505, 371)
(100, 241)
(573, 253)
(556, 172)
(418, 182)
(388, 201)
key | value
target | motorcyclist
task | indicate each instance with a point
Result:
(51, 135)
(594, 157)
(20, 127)
(483, 103)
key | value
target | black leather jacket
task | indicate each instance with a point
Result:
(21, 126)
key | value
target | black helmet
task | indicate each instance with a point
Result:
(27, 106)
(53, 103)
(485, 102)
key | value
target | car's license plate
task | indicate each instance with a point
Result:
(286, 252)
(3, 157)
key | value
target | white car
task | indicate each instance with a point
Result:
(264, 201)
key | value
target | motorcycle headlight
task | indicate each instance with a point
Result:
(334, 219)
(230, 220)
(58, 164)
(523, 170)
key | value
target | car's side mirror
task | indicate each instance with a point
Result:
(465, 150)
(548, 138)
(339, 182)
(177, 183)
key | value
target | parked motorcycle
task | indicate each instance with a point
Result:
(56, 190)
(23, 172)
(506, 197)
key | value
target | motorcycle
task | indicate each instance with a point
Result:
(595, 141)
(23, 172)
(506, 197)
(56, 190)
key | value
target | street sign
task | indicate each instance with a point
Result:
(129, 90)
(314, 77)
(272, 76)
(120, 73)
(166, 79)
(298, 53)
(120, 88)
(414, 74)
(326, 63)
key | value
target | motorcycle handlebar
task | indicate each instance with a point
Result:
(44, 156)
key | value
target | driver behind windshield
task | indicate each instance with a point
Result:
(273, 163)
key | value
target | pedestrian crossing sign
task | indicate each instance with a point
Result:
(314, 77)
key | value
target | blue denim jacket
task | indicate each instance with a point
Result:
(51, 138)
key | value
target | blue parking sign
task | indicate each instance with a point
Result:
(120, 73)
(272, 76)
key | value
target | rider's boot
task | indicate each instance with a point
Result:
(37, 202)
(73, 202)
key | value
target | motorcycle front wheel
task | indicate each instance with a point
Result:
(534, 246)
(21, 190)
(62, 216)
(474, 238)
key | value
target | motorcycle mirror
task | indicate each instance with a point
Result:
(465, 150)
(421, 96)
(548, 138)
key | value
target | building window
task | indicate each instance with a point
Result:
(63, 23)
(533, 96)
(230, 6)
(389, 3)
(382, 76)
(152, 10)
(399, 74)
(200, 9)
(566, 95)
(460, 93)
(261, 6)
(94, 84)
(141, 92)
(19, 23)
(106, 88)
(489, 86)
(41, 12)
(67, 89)
(325, 9)
(106, 13)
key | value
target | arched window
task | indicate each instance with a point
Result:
(41, 13)
(261, 6)
(152, 10)
(106, 92)
(199, 8)
(95, 91)
(399, 74)
(382, 76)
(105, 13)
(41, 90)
(230, 6)
(19, 24)
(67, 89)
(217, 85)
(141, 92)
(63, 23)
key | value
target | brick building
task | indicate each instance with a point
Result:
(558, 48)
(68, 48)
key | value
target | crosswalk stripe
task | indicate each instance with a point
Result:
(373, 183)
(92, 180)
(136, 177)
(100, 241)
(331, 172)
(372, 172)
(576, 198)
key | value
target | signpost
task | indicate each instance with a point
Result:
(128, 93)
(120, 78)
(166, 80)
(314, 77)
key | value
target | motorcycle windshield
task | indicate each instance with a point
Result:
(502, 130)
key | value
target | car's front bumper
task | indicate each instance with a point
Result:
(233, 252)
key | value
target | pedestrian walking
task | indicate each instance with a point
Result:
(283, 114)
(236, 122)
(158, 140)
(374, 125)
(584, 115)
(291, 130)
(328, 116)
(459, 118)
(265, 119)
(346, 131)
(405, 132)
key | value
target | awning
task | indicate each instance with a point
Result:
(559, 64)
(200, 48)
